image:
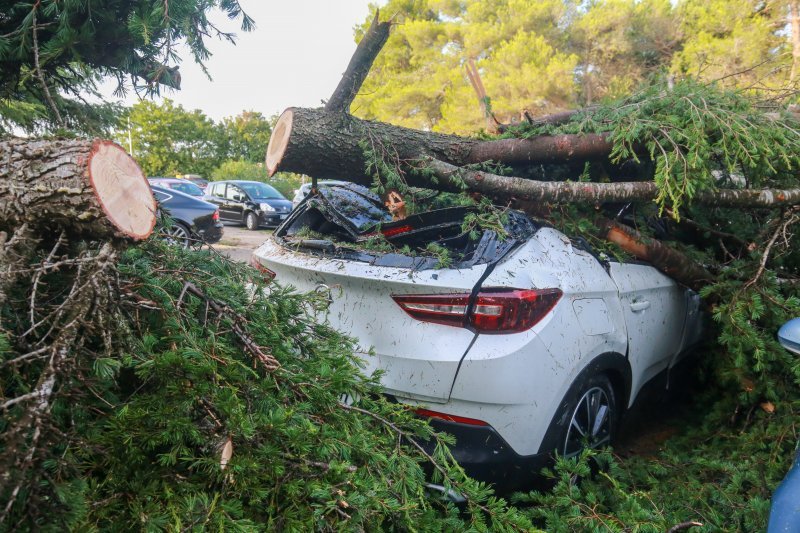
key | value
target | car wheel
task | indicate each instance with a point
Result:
(587, 417)
(593, 418)
(251, 221)
(178, 234)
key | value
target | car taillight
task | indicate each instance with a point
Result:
(269, 275)
(391, 232)
(450, 418)
(493, 311)
(215, 216)
(447, 309)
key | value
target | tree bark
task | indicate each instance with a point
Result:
(449, 178)
(328, 145)
(359, 66)
(663, 257)
(92, 188)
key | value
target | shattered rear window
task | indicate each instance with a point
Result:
(362, 208)
(350, 222)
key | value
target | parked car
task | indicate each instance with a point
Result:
(184, 186)
(251, 203)
(301, 193)
(526, 345)
(784, 515)
(196, 179)
(194, 220)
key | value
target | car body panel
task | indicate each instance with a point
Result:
(784, 515)
(194, 213)
(654, 308)
(514, 373)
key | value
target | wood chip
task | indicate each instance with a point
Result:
(227, 452)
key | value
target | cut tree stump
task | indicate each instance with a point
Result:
(89, 187)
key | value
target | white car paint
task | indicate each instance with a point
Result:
(516, 381)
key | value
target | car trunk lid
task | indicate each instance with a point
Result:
(418, 359)
(321, 248)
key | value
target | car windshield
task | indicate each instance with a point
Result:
(186, 187)
(261, 190)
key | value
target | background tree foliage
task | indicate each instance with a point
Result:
(245, 136)
(553, 55)
(167, 139)
(53, 52)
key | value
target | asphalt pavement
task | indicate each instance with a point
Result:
(239, 242)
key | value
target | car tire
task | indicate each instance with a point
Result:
(178, 234)
(251, 221)
(587, 416)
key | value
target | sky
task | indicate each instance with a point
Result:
(294, 57)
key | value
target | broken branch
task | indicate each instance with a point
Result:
(359, 66)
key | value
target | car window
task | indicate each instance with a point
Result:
(261, 190)
(232, 192)
(161, 197)
(186, 187)
(218, 189)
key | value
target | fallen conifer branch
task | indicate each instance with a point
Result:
(237, 325)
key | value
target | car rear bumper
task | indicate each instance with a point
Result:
(212, 234)
(486, 456)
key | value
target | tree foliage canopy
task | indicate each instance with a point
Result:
(52, 51)
(554, 55)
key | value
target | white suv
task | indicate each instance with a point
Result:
(527, 345)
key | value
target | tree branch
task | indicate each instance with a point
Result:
(454, 177)
(39, 73)
(359, 66)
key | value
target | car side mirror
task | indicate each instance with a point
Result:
(789, 336)
(238, 198)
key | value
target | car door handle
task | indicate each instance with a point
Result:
(639, 305)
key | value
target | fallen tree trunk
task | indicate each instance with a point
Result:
(330, 144)
(454, 178)
(93, 188)
(359, 66)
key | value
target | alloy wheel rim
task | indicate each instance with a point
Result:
(590, 424)
(177, 235)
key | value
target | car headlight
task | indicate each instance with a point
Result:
(266, 207)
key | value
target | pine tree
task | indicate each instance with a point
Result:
(51, 51)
